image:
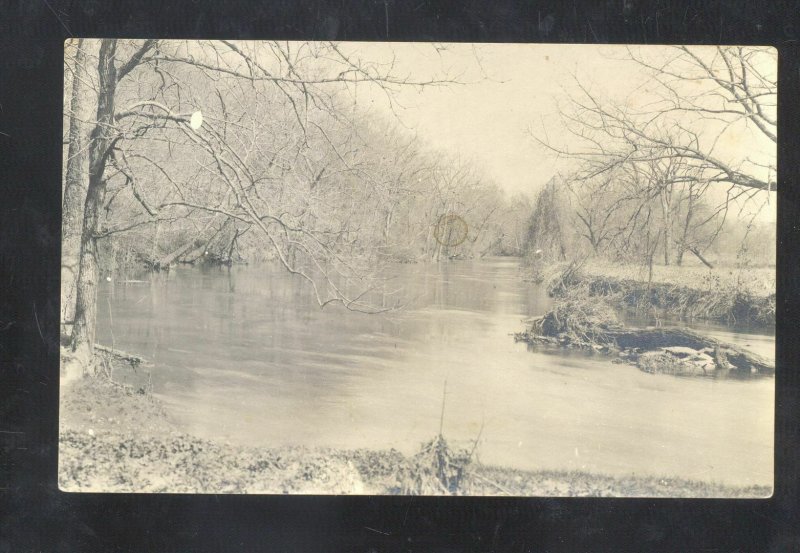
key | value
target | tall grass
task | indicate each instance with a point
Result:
(729, 296)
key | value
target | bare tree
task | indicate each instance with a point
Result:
(75, 172)
(598, 204)
(656, 157)
(546, 235)
(704, 95)
(613, 210)
(726, 83)
(514, 225)
(188, 131)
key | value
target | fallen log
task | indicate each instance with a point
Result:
(164, 262)
(699, 256)
(134, 360)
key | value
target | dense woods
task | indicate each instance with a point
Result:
(226, 152)
(683, 168)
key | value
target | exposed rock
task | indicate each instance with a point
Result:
(680, 361)
(589, 324)
(681, 351)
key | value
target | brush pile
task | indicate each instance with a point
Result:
(580, 321)
(436, 470)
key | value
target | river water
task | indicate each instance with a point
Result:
(245, 356)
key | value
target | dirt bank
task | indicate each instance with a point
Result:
(117, 438)
(684, 293)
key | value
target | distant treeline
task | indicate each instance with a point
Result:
(625, 221)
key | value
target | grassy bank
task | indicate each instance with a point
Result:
(727, 295)
(114, 438)
(584, 317)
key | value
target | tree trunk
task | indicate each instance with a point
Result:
(427, 253)
(666, 210)
(387, 225)
(687, 223)
(83, 331)
(236, 234)
(74, 188)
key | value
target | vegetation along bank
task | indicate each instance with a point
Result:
(100, 451)
(585, 316)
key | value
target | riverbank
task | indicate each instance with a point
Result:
(585, 315)
(726, 295)
(119, 438)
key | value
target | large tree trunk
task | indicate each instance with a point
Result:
(83, 331)
(74, 188)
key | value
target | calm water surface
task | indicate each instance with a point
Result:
(246, 356)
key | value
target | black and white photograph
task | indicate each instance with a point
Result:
(418, 268)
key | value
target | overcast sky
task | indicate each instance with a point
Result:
(511, 89)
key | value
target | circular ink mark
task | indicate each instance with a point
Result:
(451, 230)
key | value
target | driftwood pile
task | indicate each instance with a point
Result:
(591, 325)
(437, 469)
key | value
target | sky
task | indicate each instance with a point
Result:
(510, 91)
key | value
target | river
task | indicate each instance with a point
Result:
(245, 356)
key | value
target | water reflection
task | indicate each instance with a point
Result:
(246, 355)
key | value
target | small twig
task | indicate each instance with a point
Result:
(478, 439)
